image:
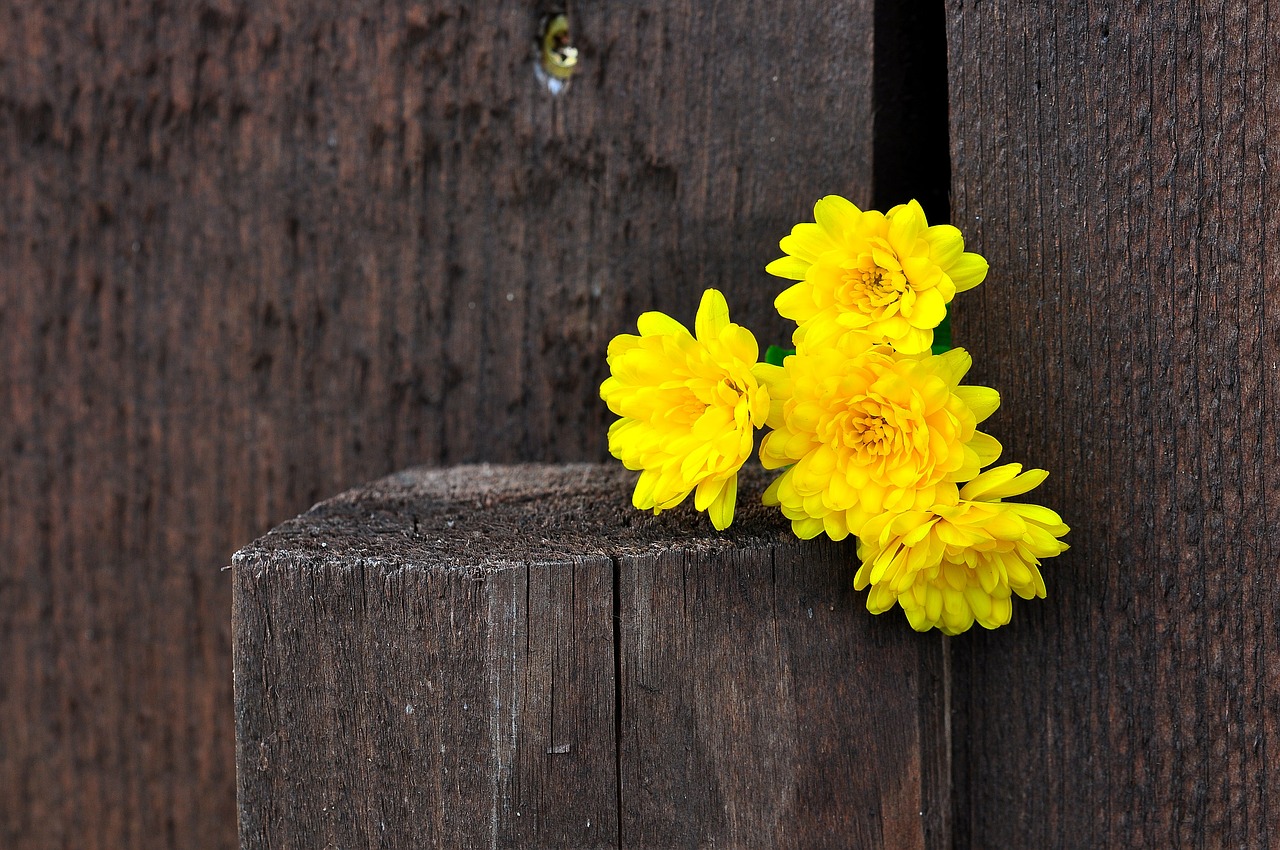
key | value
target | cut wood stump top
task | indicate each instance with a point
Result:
(489, 517)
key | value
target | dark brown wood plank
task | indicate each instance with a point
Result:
(405, 679)
(253, 254)
(763, 707)
(1115, 163)
(433, 660)
(420, 708)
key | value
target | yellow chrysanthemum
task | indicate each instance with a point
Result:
(689, 407)
(889, 275)
(869, 430)
(952, 564)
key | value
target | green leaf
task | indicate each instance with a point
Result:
(942, 334)
(775, 354)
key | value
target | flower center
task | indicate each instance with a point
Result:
(865, 430)
(867, 286)
(684, 409)
(872, 434)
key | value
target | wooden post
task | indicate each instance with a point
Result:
(514, 657)
(1117, 164)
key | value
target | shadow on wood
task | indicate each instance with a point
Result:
(514, 657)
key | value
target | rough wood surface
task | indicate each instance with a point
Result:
(1117, 164)
(515, 657)
(254, 253)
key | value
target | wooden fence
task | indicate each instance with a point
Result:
(254, 254)
(1116, 166)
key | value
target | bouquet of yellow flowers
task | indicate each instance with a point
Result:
(874, 433)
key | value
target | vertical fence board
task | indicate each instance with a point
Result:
(1116, 164)
(253, 253)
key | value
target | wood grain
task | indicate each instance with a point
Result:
(763, 707)
(253, 254)
(514, 657)
(1116, 164)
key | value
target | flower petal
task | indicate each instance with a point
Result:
(906, 224)
(987, 447)
(836, 215)
(807, 242)
(796, 302)
(968, 271)
(721, 509)
(706, 493)
(952, 365)
(654, 323)
(945, 244)
(983, 401)
(713, 316)
(791, 268)
(929, 311)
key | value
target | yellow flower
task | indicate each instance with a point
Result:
(889, 275)
(869, 430)
(689, 408)
(952, 564)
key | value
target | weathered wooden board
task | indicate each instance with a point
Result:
(1117, 164)
(762, 706)
(514, 657)
(254, 253)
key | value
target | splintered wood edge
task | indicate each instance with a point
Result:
(489, 517)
